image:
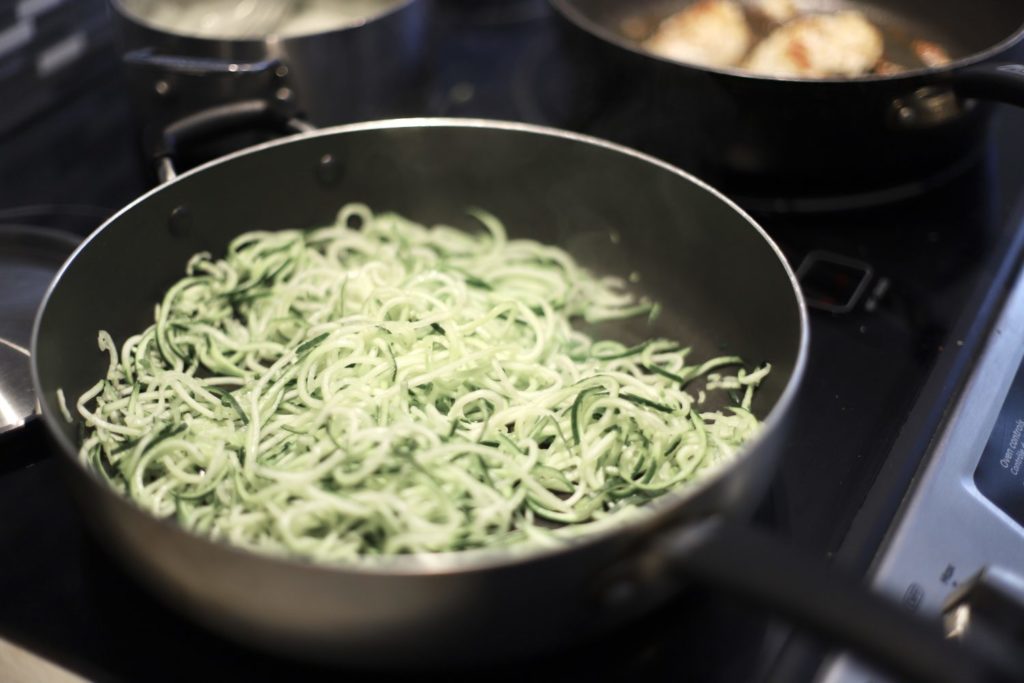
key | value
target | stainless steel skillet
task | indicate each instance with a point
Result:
(724, 286)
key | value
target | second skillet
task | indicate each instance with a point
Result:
(775, 138)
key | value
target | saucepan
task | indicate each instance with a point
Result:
(724, 285)
(771, 138)
(333, 61)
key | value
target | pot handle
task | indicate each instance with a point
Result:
(752, 565)
(996, 82)
(218, 120)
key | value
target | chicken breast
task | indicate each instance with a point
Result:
(819, 45)
(774, 11)
(931, 54)
(886, 68)
(708, 33)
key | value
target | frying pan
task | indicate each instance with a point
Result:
(725, 288)
(806, 141)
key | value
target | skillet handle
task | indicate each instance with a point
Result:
(761, 570)
(996, 82)
(222, 119)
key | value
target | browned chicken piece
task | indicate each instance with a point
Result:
(708, 33)
(931, 54)
(636, 28)
(819, 46)
(887, 68)
(772, 11)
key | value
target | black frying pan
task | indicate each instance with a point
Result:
(764, 137)
(724, 286)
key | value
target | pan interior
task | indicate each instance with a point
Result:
(962, 29)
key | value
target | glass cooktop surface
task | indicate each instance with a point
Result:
(902, 296)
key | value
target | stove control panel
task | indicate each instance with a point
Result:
(966, 509)
(1000, 472)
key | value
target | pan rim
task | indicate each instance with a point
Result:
(130, 15)
(466, 561)
(568, 9)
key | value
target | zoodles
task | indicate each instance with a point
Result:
(379, 387)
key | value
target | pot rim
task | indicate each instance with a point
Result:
(120, 7)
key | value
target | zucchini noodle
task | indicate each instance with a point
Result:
(379, 387)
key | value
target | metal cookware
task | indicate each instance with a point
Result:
(331, 68)
(35, 241)
(724, 285)
(772, 139)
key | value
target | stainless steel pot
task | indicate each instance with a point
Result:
(350, 70)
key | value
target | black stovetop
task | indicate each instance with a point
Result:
(879, 378)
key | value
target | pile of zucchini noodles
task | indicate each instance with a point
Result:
(377, 387)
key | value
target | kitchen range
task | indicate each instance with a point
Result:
(902, 465)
